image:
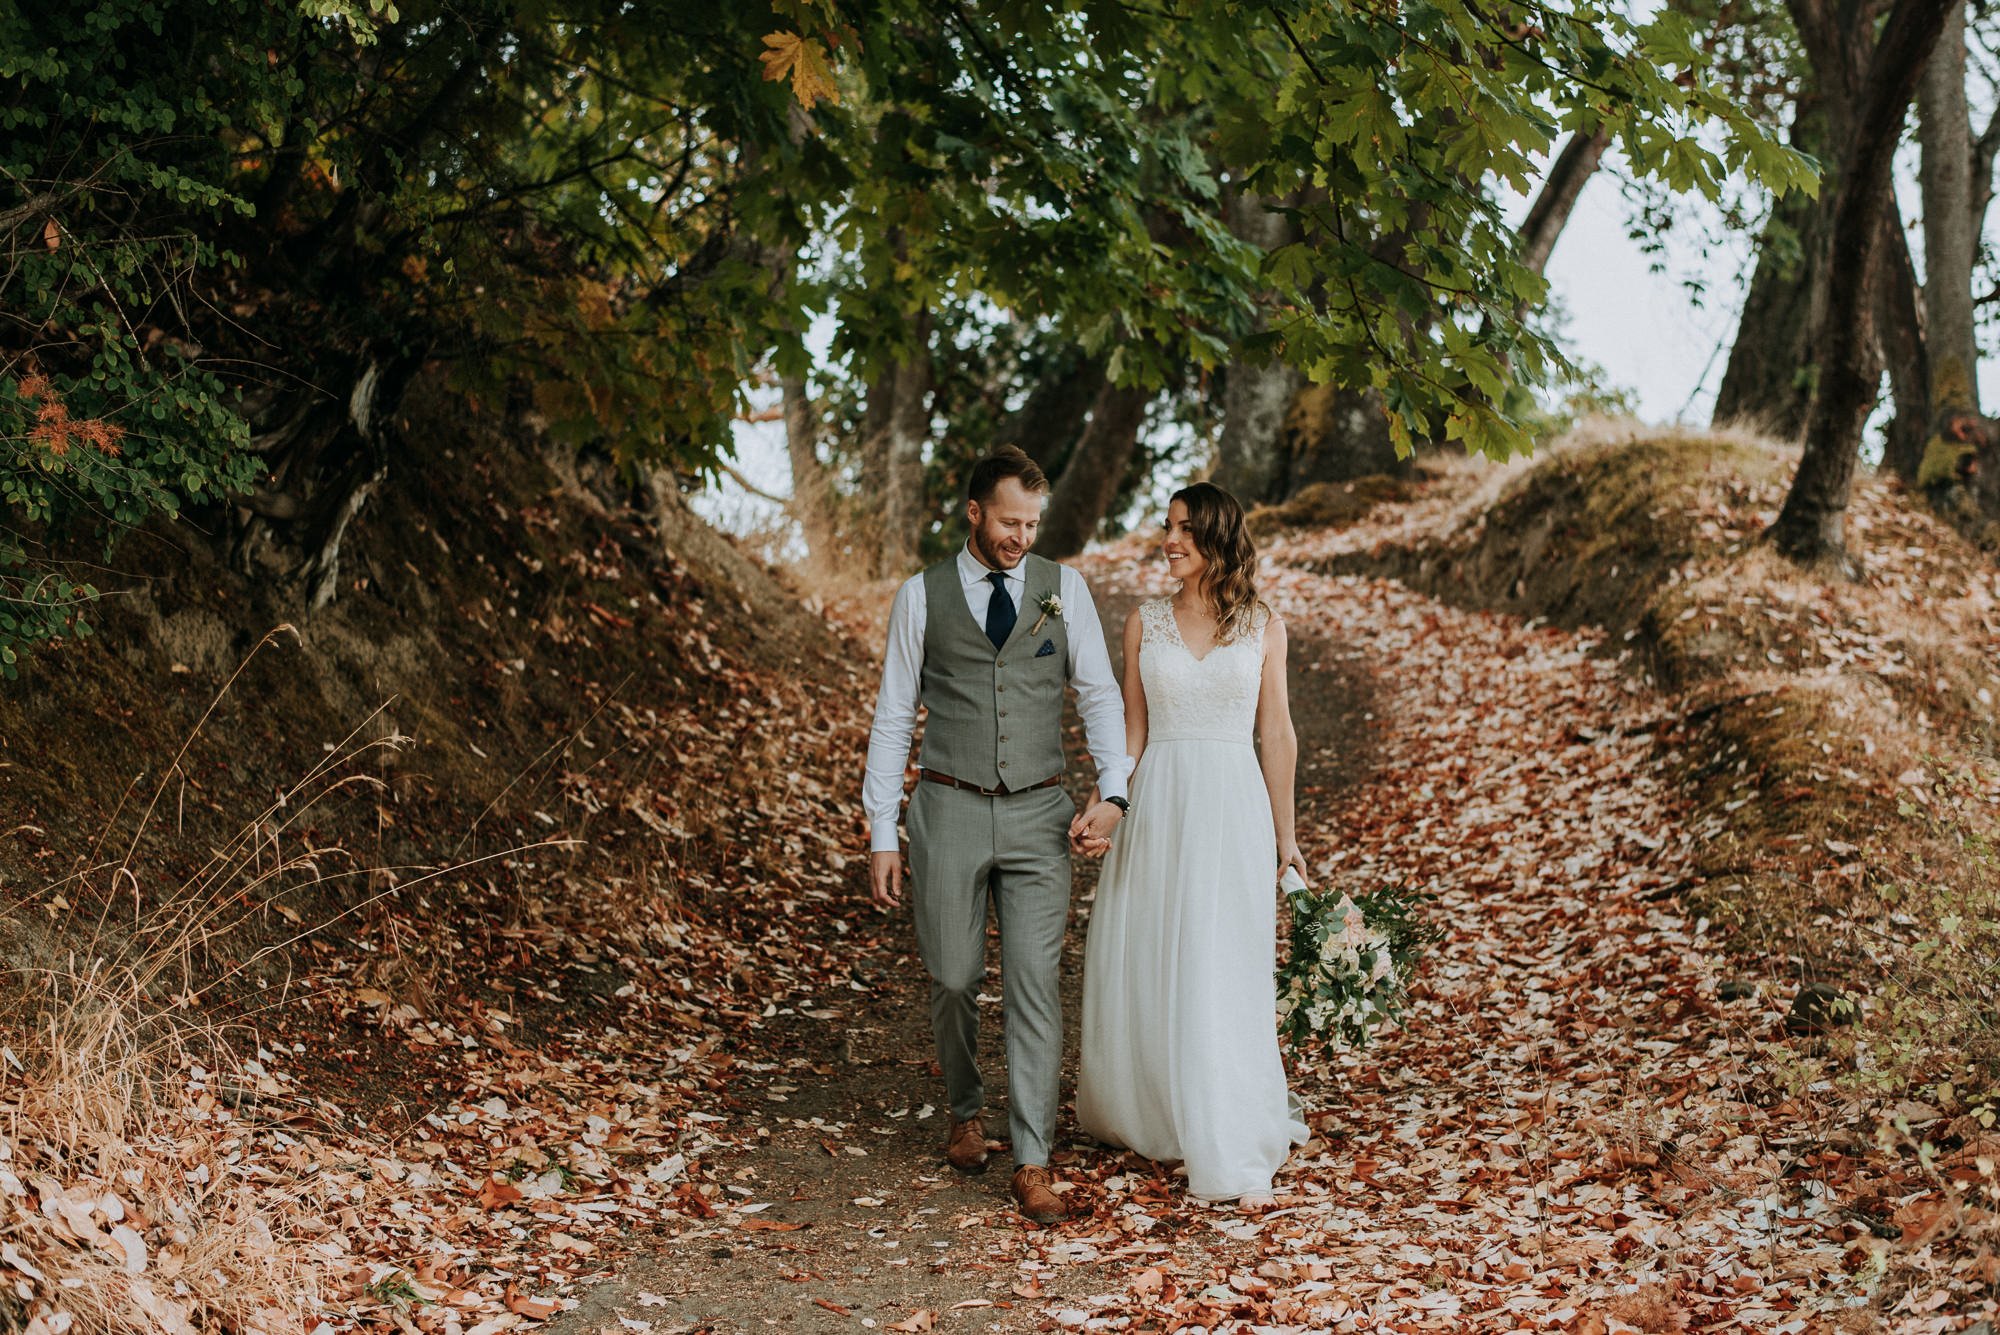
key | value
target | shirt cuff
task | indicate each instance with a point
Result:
(1112, 785)
(882, 836)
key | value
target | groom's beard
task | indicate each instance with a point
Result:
(995, 558)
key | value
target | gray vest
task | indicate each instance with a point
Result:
(995, 717)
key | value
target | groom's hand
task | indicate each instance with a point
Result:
(885, 873)
(1090, 832)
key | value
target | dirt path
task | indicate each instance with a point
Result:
(853, 1217)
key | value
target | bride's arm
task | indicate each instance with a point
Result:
(1135, 730)
(1135, 691)
(1278, 746)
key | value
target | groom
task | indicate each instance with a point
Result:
(987, 641)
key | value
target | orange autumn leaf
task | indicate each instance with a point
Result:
(535, 1309)
(497, 1193)
(802, 60)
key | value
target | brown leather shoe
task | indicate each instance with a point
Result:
(965, 1146)
(1034, 1194)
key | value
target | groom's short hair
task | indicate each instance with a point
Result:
(1005, 462)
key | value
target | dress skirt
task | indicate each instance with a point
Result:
(1180, 1048)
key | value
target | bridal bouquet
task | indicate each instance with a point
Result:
(1350, 963)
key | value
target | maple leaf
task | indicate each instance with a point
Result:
(802, 60)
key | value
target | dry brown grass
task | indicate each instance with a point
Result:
(127, 1112)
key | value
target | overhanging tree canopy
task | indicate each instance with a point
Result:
(237, 229)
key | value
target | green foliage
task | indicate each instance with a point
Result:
(224, 217)
(118, 174)
(1067, 163)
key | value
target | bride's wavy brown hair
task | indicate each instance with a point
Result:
(1223, 538)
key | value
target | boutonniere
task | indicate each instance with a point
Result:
(1051, 607)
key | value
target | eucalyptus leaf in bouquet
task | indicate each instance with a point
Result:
(1350, 963)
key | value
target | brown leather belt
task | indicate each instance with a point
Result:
(934, 776)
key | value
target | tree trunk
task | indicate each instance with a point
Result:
(1095, 472)
(812, 494)
(1810, 528)
(1900, 335)
(895, 427)
(1250, 457)
(1944, 130)
(1048, 425)
(1336, 435)
(1561, 188)
(1767, 383)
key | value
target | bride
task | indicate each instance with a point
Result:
(1180, 1048)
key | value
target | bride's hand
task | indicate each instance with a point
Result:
(1090, 832)
(1289, 856)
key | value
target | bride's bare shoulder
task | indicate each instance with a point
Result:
(1274, 628)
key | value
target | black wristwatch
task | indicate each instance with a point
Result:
(1124, 807)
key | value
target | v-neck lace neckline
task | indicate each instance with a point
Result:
(1173, 615)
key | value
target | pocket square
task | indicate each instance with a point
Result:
(1048, 647)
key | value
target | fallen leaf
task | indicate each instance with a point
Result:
(497, 1193)
(534, 1309)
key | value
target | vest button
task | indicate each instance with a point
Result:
(1003, 713)
(1003, 736)
(1003, 764)
(1002, 663)
(1001, 687)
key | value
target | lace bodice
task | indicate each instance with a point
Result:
(1213, 697)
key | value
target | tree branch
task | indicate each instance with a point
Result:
(1557, 198)
(1985, 149)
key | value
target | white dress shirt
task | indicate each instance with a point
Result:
(1097, 695)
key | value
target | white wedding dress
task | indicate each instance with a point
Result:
(1180, 1045)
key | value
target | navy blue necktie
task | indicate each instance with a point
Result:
(999, 612)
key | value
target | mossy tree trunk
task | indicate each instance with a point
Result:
(1811, 526)
(812, 503)
(1257, 397)
(1901, 341)
(1337, 435)
(1281, 434)
(1768, 380)
(1951, 243)
(895, 428)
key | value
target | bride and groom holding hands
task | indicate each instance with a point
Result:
(1192, 813)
